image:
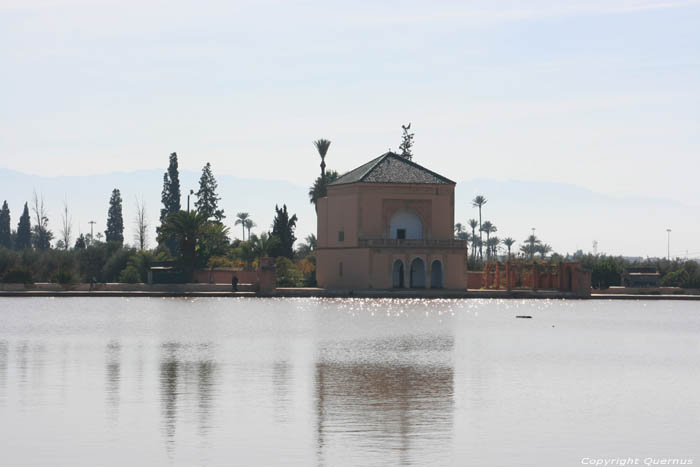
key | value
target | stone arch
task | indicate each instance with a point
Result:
(417, 274)
(398, 274)
(407, 221)
(437, 274)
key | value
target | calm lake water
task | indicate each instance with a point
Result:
(311, 382)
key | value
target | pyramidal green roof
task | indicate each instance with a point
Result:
(392, 168)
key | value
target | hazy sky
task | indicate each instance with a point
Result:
(599, 93)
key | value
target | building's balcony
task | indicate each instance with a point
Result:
(399, 243)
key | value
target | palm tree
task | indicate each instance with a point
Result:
(530, 245)
(460, 232)
(263, 245)
(489, 228)
(249, 224)
(473, 223)
(311, 241)
(478, 202)
(319, 188)
(492, 246)
(543, 249)
(322, 146)
(509, 242)
(188, 228)
(241, 220)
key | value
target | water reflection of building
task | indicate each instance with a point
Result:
(113, 373)
(401, 410)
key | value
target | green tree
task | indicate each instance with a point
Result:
(677, 278)
(406, 142)
(207, 198)
(80, 243)
(214, 241)
(492, 246)
(306, 248)
(170, 197)
(322, 146)
(508, 242)
(544, 249)
(244, 252)
(115, 220)
(263, 245)
(320, 187)
(478, 202)
(41, 235)
(311, 241)
(489, 228)
(187, 228)
(5, 231)
(473, 223)
(606, 272)
(24, 230)
(530, 246)
(283, 229)
(459, 230)
(287, 274)
(249, 224)
(241, 219)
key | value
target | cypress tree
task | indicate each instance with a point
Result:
(171, 189)
(115, 220)
(170, 197)
(24, 230)
(283, 229)
(207, 199)
(5, 232)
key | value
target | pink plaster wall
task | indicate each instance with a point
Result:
(224, 276)
(364, 211)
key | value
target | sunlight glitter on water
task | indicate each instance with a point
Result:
(345, 382)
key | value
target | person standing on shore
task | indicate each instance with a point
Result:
(234, 283)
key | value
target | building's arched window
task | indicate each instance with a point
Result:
(417, 274)
(397, 275)
(436, 274)
(406, 225)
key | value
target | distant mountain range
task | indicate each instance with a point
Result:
(568, 217)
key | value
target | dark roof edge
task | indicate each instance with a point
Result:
(372, 164)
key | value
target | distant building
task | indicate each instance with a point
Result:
(640, 277)
(389, 224)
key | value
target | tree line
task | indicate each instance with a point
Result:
(195, 237)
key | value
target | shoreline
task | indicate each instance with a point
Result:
(221, 291)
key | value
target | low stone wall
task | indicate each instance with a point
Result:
(646, 291)
(121, 287)
(475, 280)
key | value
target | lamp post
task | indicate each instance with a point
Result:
(91, 224)
(668, 244)
(188, 199)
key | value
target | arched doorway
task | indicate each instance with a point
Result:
(397, 275)
(436, 274)
(417, 274)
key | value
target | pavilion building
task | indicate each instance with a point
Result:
(389, 224)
